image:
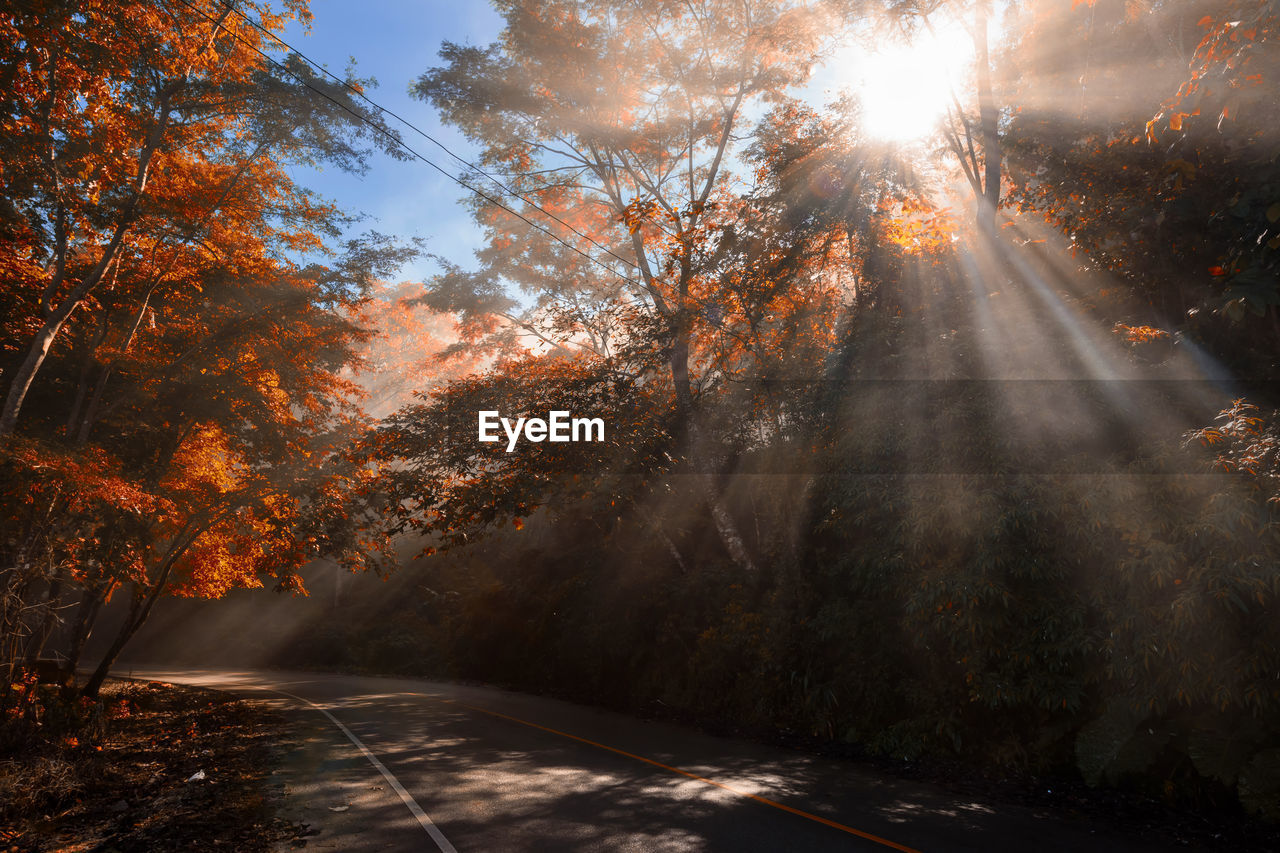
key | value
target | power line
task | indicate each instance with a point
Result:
(395, 138)
(360, 94)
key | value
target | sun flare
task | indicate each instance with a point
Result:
(904, 89)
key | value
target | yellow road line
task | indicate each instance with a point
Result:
(808, 815)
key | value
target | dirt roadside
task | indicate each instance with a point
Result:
(170, 768)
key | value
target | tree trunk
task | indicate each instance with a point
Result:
(989, 119)
(55, 317)
(137, 615)
(86, 617)
(139, 610)
(726, 526)
(26, 372)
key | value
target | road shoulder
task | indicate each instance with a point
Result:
(159, 767)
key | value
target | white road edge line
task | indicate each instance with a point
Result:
(434, 831)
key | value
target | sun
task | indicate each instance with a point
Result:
(904, 89)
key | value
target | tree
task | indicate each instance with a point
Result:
(412, 349)
(453, 488)
(130, 130)
(219, 460)
(619, 119)
(190, 322)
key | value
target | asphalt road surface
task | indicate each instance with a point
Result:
(399, 764)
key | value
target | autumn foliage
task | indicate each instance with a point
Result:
(177, 317)
(879, 467)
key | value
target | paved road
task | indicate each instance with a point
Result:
(398, 764)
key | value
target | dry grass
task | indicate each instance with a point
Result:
(121, 781)
(26, 787)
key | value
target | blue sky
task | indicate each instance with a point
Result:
(395, 41)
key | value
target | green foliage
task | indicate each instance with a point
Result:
(1119, 622)
(1221, 749)
(1116, 743)
(1260, 784)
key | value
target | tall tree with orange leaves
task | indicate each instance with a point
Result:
(178, 325)
(131, 132)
